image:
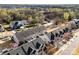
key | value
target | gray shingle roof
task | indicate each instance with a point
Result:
(15, 52)
(22, 49)
(25, 34)
(27, 46)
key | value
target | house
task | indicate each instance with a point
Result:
(76, 22)
(34, 47)
(28, 48)
(25, 49)
(56, 16)
(34, 40)
(17, 24)
(39, 46)
(28, 34)
(1, 28)
(56, 34)
(73, 24)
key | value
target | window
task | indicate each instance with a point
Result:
(21, 43)
(52, 36)
(38, 45)
(29, 50)
(66, 29)
(76, 22)
(45, 32)
(61, 33)
(37, 36)
(16, 23)
(17, 54)
(40, 50)
(52, 42)
(45, 49)
(12, 39)
(34, 52)
(56, 34)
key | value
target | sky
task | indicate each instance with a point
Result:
(39, 1)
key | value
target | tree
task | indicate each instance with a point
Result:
(66, 15)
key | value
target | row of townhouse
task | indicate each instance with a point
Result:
(33, 41)
(30, 42)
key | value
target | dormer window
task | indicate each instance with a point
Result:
(61, 33)
(37, 36)
(64, 30)
(52, 36)
(38, 45)
(56, 34)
